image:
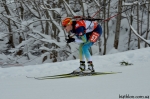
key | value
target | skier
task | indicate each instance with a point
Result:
(87, 32)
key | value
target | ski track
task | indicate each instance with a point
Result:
(134, 79)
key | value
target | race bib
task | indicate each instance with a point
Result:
(94, 36)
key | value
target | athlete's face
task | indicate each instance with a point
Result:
(68, 28)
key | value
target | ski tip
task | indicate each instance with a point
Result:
(28, 77)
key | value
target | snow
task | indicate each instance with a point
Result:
(138, 35)
(133, 81)
(58, 10)
(69, 9)
(136, 2)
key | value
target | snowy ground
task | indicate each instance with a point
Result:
(132, 83)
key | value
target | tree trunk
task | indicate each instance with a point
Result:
(148, 19)
(138, 26)
(116, 41)
(9, 25)
(130, 31)
(104, 30)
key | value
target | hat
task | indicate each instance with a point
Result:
(66, 21)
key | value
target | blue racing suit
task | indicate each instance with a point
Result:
(84, 38)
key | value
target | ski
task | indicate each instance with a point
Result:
(71, 75)
(51, 76)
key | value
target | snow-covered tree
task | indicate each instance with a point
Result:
(31, 29)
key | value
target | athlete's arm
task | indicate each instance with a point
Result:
(80, 34)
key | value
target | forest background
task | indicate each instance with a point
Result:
(31, 31)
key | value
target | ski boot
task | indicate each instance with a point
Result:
(81, 68)
(90, 68)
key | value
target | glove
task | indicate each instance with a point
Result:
(70, 40)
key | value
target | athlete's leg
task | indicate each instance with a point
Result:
(81, 53)
(85, 50)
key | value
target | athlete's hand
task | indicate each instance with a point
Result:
(70, 39)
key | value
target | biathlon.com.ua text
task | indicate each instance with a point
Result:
(128, 96)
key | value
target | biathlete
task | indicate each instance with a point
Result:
(87, 33)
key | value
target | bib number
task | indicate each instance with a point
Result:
(94, 37)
